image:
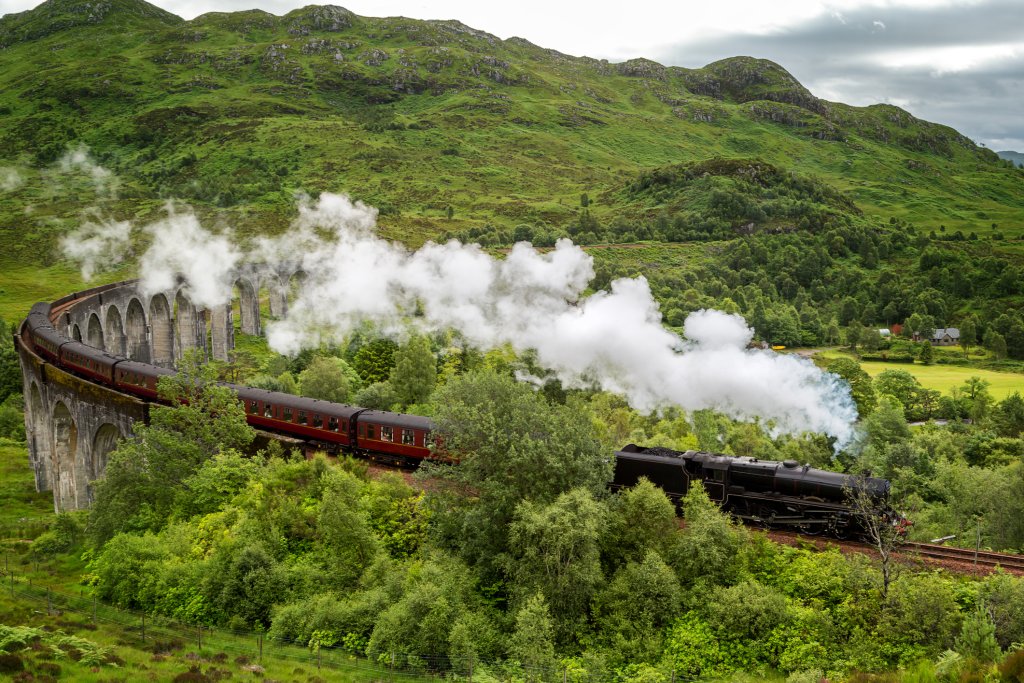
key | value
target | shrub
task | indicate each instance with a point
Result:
(10, 663)
(1012, 668)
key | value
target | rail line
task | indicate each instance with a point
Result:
(965, 555)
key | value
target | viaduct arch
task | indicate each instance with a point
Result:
(72, 424)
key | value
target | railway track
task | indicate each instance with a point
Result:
(959, 560)
(981, 558)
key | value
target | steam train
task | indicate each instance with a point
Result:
(766, 492)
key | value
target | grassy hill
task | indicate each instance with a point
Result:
(243, 109)
(452, 131)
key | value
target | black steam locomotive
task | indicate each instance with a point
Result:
(769, 493)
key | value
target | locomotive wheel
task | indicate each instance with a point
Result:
(809, 529)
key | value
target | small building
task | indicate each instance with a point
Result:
(884, 333)
(946, 336)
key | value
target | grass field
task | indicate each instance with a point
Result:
(46, 595)
(18, 497)
(945, 377)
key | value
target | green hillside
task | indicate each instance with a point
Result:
(451, 131)
(415, 116)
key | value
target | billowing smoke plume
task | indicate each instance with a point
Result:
(181, 246)
(10, 179)
(532, 300)
(98, 244)
(528, 300)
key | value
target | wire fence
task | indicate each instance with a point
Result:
(161, 635)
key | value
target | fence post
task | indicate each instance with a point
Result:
(673, 675)
(143, 627)
(49, 603)
(199, 635)
(259, 639)
(318, 657)
(12, 585)
(94, 609)
(565, 674)
(392, 674)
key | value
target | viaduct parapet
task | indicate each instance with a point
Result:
(71, 423)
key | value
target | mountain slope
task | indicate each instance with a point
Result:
(242, 109)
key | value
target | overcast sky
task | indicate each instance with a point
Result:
(957, 62)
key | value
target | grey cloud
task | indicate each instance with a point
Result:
(835, 56)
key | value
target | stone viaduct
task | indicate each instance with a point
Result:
(71, 423)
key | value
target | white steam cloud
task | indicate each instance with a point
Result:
(10, 179)
(80, 160)
(182, 247)
(528, 300)
(97, 245)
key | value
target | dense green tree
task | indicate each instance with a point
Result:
(861, 386)
(854, 334)
(968, 335)
(747, 611)
(641, 519)
(532, 642)
(899, 384)
(214, 483)
(415, 372)
(12, 417)
(1009, 415)
(977, 637)
(288, 383)
(10, 368)
(144, 473)
(373, 361)
(1003, 598)
(708, 549)
(347, 543)
(927, 355)
(636, 606)
(326, 378)
(378, 396)
(995, 343)
(556, 552)
(887, 424)
(246, 583)
(418, 618)
(511, 445)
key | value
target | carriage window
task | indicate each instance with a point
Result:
(369, 432)
(252, 406)
(408, 438)
(302, 417)
(386, 434)
(268, 410)
(287, 414)
(332, 424)
(344, 425)
(362, 430)
(317, 422)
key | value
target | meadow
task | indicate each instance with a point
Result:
(944, 378)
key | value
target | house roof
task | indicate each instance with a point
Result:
(953, 333)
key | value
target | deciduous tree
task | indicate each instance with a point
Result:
(415, 371)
